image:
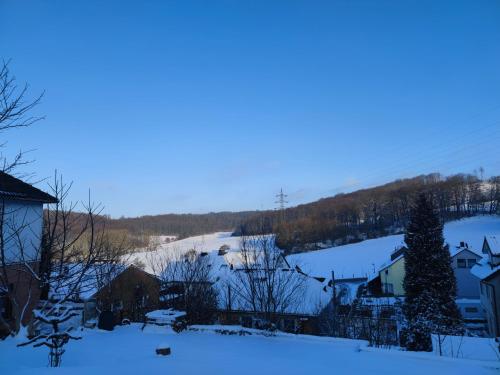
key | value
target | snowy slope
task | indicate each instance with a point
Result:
(204, 243)
(363, 258)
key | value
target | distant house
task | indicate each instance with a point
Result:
(463, 260)
(393, 274)
(131, 294)
(491, 247)
(389, 281)
(302, 318)
(488, 271)
(125, 290)
(21, 224)
(234, 309)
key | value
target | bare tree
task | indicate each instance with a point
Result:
(18, 243)
(72, 246)
(15, 112)
(79, 273)
(187, 283)
(263, 282)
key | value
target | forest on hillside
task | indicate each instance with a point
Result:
(374, 212)
(181, 225)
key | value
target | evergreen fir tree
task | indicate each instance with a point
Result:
(429, 283)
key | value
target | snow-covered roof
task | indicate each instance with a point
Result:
(493, 243)
(317, 289)
(454, 251)
(316, 294)
(391, 262)
(95, 278)
(165, 316)
(484, 269)
(381, 301)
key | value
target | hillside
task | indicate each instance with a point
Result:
(358, 259)
(363, 258)
(181, 225)
(344, 218)
(374, 212)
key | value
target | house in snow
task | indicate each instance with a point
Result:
(126, 291)
(392, 274)
(488, 271)
(129, 294)
(389, 280)
(21, 224)
(230, 269)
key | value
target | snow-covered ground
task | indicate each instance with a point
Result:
(128, 350)
(205, 243)
(365, 258)
(481, 348)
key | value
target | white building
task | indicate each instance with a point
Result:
(488, 271)
(21, 224)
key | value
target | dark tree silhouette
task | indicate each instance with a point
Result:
(429, 283)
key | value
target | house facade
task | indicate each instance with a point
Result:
(488, 271)
(389, 281)
(21, 225)
(129, 294)
(392, 276)
(462, 262)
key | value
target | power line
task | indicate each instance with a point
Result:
(281, 200)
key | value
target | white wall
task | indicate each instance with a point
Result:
(467, 283)
(22, 230)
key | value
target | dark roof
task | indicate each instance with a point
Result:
(14, 188)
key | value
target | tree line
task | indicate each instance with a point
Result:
(181, 225)
(375, 212)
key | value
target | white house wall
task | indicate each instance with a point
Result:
(22, 230)
(467, 283)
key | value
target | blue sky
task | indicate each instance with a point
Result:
(197, 106)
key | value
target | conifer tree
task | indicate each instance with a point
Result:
(429, 283)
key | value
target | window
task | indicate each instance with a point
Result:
(471, 263)
(461, 263)
(471, 309)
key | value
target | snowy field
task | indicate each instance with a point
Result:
(482, 348)
(363, 258)
(127, 350)
(204, 243)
